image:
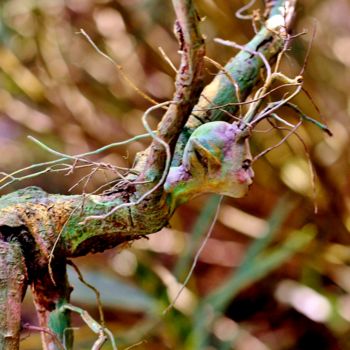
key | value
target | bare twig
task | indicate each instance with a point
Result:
(267, 150)
(95, 290)
(195, 260)
(164, 174)
(277, 117)
(239, 13)
(275, 105)
(309, 119)
(189, 83)
(231, 79)
(119, 68)
(32, 328)
(93, 325)
(13, 176)
(253, 52)
(308, 49)
(135, 345)
(242, 103)
(167, 59)
(51, 255)
(252, 116)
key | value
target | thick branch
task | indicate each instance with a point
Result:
(12, 288)
(217, 101)
(48, 218)
(48, 298)
(188, 85)
(51, 218)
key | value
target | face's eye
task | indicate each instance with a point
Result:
(246, 164)
(201, 159)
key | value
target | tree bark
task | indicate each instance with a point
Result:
(12, 289)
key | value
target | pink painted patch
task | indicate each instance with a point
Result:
(243, 177)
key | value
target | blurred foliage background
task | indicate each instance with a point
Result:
(273, 275)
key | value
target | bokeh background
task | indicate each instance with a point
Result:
(275, 273)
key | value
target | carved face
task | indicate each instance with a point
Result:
(216, 159)
(218, 156)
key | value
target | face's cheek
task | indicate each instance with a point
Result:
(245, 177)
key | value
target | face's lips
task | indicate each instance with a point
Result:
(243, 176)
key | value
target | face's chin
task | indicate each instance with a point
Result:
(237, 190)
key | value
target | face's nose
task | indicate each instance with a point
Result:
(251, 173)
(250, 176)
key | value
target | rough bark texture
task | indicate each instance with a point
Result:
(12, 289)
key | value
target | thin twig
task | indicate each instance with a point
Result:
(309, 119)
(92, 324)
(95, 290)
(244, 8)
(312, 172)
(167, 59)
(85, 178)
(51, 256)
(135, 345)
(244, 48)
(276, 105)
(164, 173)
(267, 150)
(13, 178)
(195, 260)
(277, 117)
(230, 78)
(119, 68)
(229, 104)
(30, 328)
(306, 59)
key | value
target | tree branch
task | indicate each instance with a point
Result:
(51, 228)
(243, 69)
(188, 86)
(12, 289)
